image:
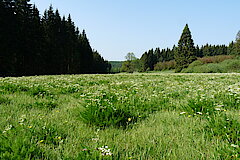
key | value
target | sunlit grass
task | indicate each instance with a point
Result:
(151, 116)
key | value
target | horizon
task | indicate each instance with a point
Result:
(117, 28)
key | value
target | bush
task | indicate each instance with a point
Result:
(232, 65)
(196, 63)
(207, 68)
(165, 65)
(227, 66)
(215, 59)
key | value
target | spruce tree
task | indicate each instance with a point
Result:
(185, 53)
(237, 44)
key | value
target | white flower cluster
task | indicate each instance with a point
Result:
(22, 119)
(8, 128)
(105, 151)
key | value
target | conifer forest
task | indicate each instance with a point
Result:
(41, 45)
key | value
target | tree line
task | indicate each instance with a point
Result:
(180, 56)
(31, 44)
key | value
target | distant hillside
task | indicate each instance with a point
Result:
(116, 65)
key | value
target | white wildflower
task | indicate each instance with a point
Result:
(234, 145)
(182, 112)
(105, 151)
(7, 128)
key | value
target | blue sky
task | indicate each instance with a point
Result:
(115, 28)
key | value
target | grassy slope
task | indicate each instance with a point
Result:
(45, 114)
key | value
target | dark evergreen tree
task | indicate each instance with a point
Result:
(31, 45)
(8, 39)
(144, 61)
(100, 65)
(237, 44)
(148, 60)
(186, 52)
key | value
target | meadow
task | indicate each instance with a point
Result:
(121, 116)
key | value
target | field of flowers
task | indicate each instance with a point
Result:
(121, 116)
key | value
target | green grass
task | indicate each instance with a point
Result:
(121, 116)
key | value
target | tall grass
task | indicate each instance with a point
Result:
(121, 116)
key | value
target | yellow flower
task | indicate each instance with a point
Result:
(59, 138)
(41, 141)
(129, 119)
(189, 116)
(30, 127)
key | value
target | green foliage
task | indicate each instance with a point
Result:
(116, 66)
(213, 50)
(106, 116)
(148, 60)
(132, 64)
(186, 52)
(215, 59)
(225, 128)
(200, 107)
(12, 88)
(130, 57)
(4, 100)
(42, 104)
(165, 65)
(227, 66)
(127, 66)
(17, 143)
(195, 63)
(102, 112)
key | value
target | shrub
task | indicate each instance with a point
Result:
(196, 63)
(165, 65)
(230, 65)
(215, 59)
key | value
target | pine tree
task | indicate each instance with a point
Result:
(186, 51)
